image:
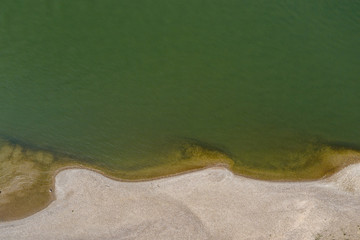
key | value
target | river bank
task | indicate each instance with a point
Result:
(208, 204)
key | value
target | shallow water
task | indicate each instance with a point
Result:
(124, 84)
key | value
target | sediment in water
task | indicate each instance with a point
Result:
(26, 175)
(319, 162)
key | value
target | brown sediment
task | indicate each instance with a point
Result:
(21, 175)
(26, 180)
(27, 175)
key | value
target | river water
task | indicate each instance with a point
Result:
(120, 84)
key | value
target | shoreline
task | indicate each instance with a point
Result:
(213, 199)
(104, 173)
(40, 169)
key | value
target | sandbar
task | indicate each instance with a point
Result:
(211, 203)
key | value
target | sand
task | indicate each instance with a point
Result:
(208, 204)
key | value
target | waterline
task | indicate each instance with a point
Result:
(27, 174)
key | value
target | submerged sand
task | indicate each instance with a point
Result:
(208, 204)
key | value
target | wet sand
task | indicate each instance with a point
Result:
(208, 204)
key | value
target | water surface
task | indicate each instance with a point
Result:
(121, 84)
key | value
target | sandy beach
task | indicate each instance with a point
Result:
(208, 204)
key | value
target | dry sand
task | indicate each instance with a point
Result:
(207, 204)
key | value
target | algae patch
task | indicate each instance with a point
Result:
(184, 157)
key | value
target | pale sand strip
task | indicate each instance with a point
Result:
(207, 204)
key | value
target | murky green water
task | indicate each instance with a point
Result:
(121, 83)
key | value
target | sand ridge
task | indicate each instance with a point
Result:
(208, 204)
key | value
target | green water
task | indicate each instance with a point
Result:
(118, 83)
